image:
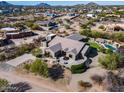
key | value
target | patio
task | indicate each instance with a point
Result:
(68, 63)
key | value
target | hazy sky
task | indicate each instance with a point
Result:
(66, 2)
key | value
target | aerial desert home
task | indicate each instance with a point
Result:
(67, 47)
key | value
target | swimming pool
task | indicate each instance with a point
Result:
(109, 46)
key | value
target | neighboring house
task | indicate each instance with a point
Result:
(50, 37)
(19, 61)
(73, 49)
(77, 37)
(5, 11)
(13, 33)
(47, 25)
(72, 15)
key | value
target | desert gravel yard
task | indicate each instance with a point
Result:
(94, 69)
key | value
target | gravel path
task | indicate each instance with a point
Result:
(37, 86)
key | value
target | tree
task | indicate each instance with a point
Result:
(96, 34)
(109, 51)
(39, 67)
(86, 32)
(110, 61)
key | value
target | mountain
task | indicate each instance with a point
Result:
(92, 4)
(43, 5)
(4, 3)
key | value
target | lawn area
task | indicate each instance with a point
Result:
(95, 45)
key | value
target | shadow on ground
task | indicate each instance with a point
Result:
(56, 72)
(18, 87)
(93, 52)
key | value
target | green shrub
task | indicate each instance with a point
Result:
(3, 84)
(37, 52)
(109, 51)
(27, 67)
(110, 61)
(78, 68)
(39, 67)
(95, 45)
(102, 49)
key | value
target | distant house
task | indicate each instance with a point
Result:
(52, 15)
(73, 49)
(50, 37)
(72, 15)
(9, 29)
(13, 33)
(77, 37)
(91, 15)
(4, 11)
(47, 25)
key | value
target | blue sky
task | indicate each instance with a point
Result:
(66, 2)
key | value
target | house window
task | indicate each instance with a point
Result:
(70, 55)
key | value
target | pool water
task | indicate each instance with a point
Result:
(110, 47)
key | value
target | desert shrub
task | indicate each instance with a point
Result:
(97, 79)
(102, 49)
(114, 83)
(84, 85)
(37, 52)
(109, 51)
(27, 67)
(118, 28)
(3, 84)
(78, 68)
(101, 27)
(39, 67)
(67, 26)
(110, 61)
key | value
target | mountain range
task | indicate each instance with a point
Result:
(4, 3)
